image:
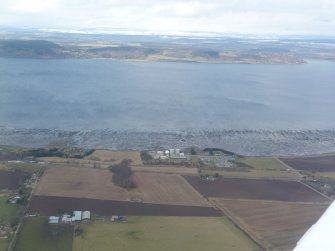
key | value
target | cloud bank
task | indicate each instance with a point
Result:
(226, 16)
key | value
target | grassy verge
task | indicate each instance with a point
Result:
(263, 163)
(37, 235)
(25, 167)
(3, 244)
(164, 234)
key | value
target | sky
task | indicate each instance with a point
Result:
(279, 17)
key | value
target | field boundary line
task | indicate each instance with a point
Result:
(289, 167)
(274, 201)
(238, 224)
(315, 190)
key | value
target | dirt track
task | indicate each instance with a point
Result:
(48, 205)
(255, 189)
(318, 164)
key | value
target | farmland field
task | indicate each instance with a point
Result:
(255, 189)
(37, 235)
(9, 180)
(165, 169)
(255, 174)
(3, 244)
(8, 212)
(318, 164)
(164, 234)
(167, 189)
(99, 158)
(264, 163)
(116, 156)
(80, 183)
(97, 184)
(48, 205)
(277, 225)
(25, 167)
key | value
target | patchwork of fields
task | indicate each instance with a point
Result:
(92, 183)
(172, 208)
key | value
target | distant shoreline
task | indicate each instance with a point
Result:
(244, 142)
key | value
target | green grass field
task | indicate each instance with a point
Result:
(263, 163)
(164, 234)
(3, 244)
(25, 167)
(37, 235)
(8, 212)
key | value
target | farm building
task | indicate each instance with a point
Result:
(67, 218)
(86, 215)
(53, 220)
(168, 154)
(77, 216)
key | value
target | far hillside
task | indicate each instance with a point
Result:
(32, 49)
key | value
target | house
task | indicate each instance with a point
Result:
(77, 216)
(86, 215)
(117, 218)
(67, 218)
(53, 220)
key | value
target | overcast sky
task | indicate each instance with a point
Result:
(228, 16)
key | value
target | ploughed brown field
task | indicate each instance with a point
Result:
(276, 225)
(167, 189)
(255, 189)
(318, 164)
(49, 205)
(97, 184)
(9, 180)
(80, 183)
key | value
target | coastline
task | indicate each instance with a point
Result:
(244, 142)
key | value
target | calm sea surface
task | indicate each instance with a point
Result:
(155, 96)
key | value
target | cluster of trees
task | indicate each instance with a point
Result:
(122, 173)
(43, 152)
(212, 150)
(145, 156)
(56, 152)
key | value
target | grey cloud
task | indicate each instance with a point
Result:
(239, 16)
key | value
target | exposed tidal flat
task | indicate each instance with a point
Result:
(249, 109)
(246, 142)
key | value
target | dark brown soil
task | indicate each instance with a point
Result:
(9, 180)
(318, 164)
(255, 189)
(50, 205)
